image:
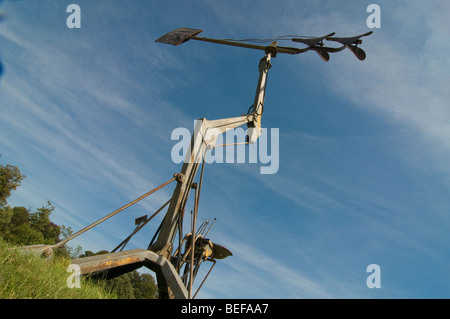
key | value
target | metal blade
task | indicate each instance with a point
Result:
(358, 52)
(178, 36)
(220, 252)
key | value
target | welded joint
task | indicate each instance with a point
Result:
(179, 177)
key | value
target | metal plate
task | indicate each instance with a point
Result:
(122, 262)
(220, 252)
(178, 36)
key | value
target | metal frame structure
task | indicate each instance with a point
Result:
(193, 248)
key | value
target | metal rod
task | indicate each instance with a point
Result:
(125, 241)
(191, 273)
(200, 228)
(210, 227)
(198, 264)
(139, 227)
(63, 242)
(287, 50)
(201, 179)
(196, 201)
(156, 233)
(203, 226)
(204, 279)
(180, 233)
(231, 144)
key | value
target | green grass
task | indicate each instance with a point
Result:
(25, 276)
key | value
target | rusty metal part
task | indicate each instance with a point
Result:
(114, 264)
(179, 177)
(101, 263)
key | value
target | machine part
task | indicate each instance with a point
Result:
(352, 44)
(220, 252)
(115, 264)
(178, 36)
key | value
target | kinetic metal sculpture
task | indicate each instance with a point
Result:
(194, 248)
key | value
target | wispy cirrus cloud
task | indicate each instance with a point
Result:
(81, 124)
(262, 275)
(404, 77)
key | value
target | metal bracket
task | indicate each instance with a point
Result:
(179, 177)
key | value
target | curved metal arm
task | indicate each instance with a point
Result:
(205, 135)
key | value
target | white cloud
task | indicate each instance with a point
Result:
(404, 83)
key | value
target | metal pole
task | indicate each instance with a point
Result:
(191, 275)
(287, 50)
(139, 227)
(214, 263)
(210, 227)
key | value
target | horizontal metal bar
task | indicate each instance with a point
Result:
(287, 50)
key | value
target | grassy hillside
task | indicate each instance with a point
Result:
(24, 276)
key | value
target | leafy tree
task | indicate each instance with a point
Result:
(10, 179)
(40, 221)
(145, 287)
(25, 235)
(67, 251)
(21, 227)
(122, 286)
(134, 285)
(20, 216)
(6, 214)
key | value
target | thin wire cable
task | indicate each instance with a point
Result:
(139, 227)
(63, 242)
(286, 37)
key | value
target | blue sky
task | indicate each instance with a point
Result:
(87, 115)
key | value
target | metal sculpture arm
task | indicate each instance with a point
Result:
(206, 132)
(205, 136)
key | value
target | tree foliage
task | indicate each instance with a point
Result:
(10, 179)
(21, 226)
(134, 285)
